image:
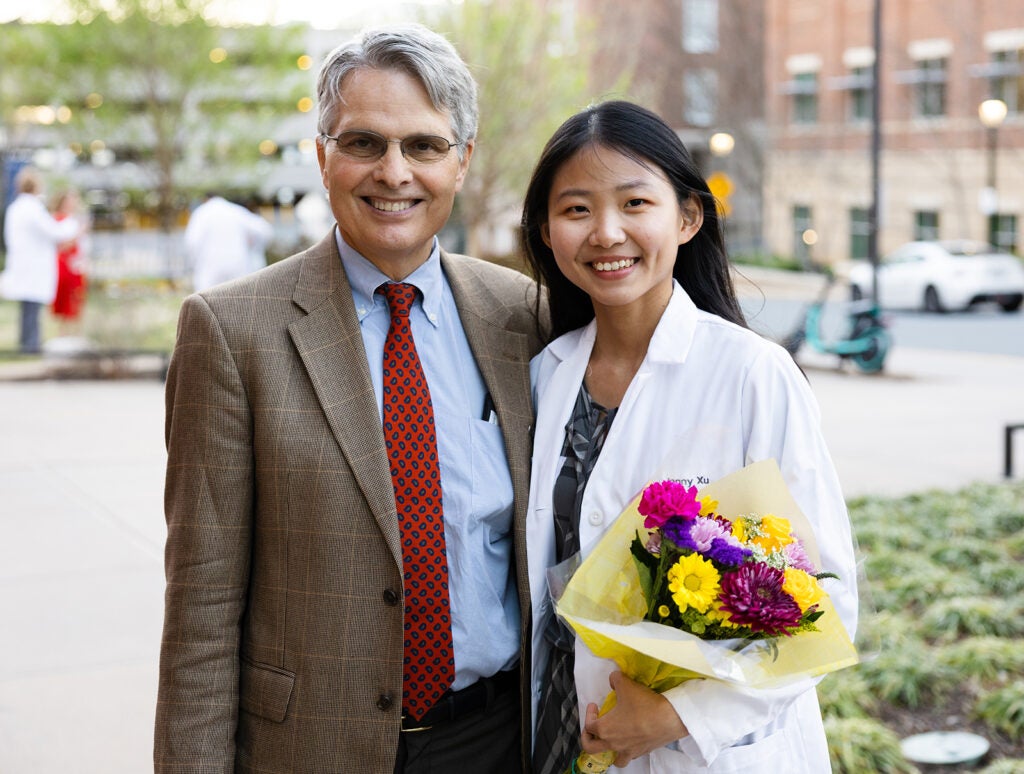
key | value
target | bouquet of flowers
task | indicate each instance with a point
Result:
(721, 583)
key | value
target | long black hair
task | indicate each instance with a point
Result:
(701, 267)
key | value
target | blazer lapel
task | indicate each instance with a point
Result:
(503, 356)
(330, 345)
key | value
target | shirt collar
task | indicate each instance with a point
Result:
(365, 278)
(669, 344)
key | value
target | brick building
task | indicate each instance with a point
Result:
(939, 62)
(698, 64)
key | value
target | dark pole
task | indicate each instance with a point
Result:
(993, 139)
(876, 147)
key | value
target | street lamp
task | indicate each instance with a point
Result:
(721, 144)
(991, 112)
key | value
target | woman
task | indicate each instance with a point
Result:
(32, 236)
(71, 280)
(653, 374)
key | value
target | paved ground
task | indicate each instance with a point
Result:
(81, 530)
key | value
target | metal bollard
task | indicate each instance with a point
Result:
(1008, 431)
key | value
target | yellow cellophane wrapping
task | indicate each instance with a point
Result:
(605, 606)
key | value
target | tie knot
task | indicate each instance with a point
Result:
(400, 296)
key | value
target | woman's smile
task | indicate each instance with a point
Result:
(610, 266)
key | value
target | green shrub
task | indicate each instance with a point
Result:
(1003, 709)
(1002, 577)
(984, 658)
(908, 675)
(859, 745)
(1004, 766)
(1014, 546)
(880, 526)
(965, 553)
(846, 694)
(919, 586)
(948, 619)
(768, 260)
(942, 616)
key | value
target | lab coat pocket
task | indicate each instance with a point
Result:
(769, 755)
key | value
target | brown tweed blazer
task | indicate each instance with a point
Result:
(282, 643)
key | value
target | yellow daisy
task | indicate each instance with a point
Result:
(693, 582)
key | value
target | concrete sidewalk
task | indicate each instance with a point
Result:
(81, 531)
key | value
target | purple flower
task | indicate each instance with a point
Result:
(665, 499)
(708, 537)
(753, 596)
(797, 557)
(726, 552)
(705, 531)
(678, 531)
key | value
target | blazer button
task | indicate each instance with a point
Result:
(384, 702)
(391, 598)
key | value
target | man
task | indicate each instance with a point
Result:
(299, 634)
(32, 236)
(221, 239)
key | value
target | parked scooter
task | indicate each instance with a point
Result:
(867, 342)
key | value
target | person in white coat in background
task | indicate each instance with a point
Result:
(221, 238)
(32, 235)
(654, 374)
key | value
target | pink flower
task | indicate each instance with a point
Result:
(797, 557)
(664, 499)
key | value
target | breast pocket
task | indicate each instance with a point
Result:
(769, 755)
(491, 480)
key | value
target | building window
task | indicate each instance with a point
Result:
(861, 91)
(805, 98)
(1002, 232)
(700, 97)
(802, 224)
(930, 88)
(926, 225)
(1008, 79)
(700, 26)
(860, 230)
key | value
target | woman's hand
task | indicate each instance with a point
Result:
(640, 721)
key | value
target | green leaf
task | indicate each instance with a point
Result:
(646, 567)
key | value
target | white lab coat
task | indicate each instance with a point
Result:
(708, 399)
(221, 239)
(32, 236)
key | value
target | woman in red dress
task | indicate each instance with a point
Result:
(71, 281)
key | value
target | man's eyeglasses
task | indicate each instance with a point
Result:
(364, 145)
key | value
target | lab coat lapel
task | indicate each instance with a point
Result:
(560, 391)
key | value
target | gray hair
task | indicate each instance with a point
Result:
(413, 49)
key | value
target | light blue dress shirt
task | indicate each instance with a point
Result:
(476, 486)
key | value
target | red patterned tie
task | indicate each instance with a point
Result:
(415, 471)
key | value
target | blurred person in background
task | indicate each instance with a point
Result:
(335, 602)
(32, 236)
(221, 238)
(71, 267)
